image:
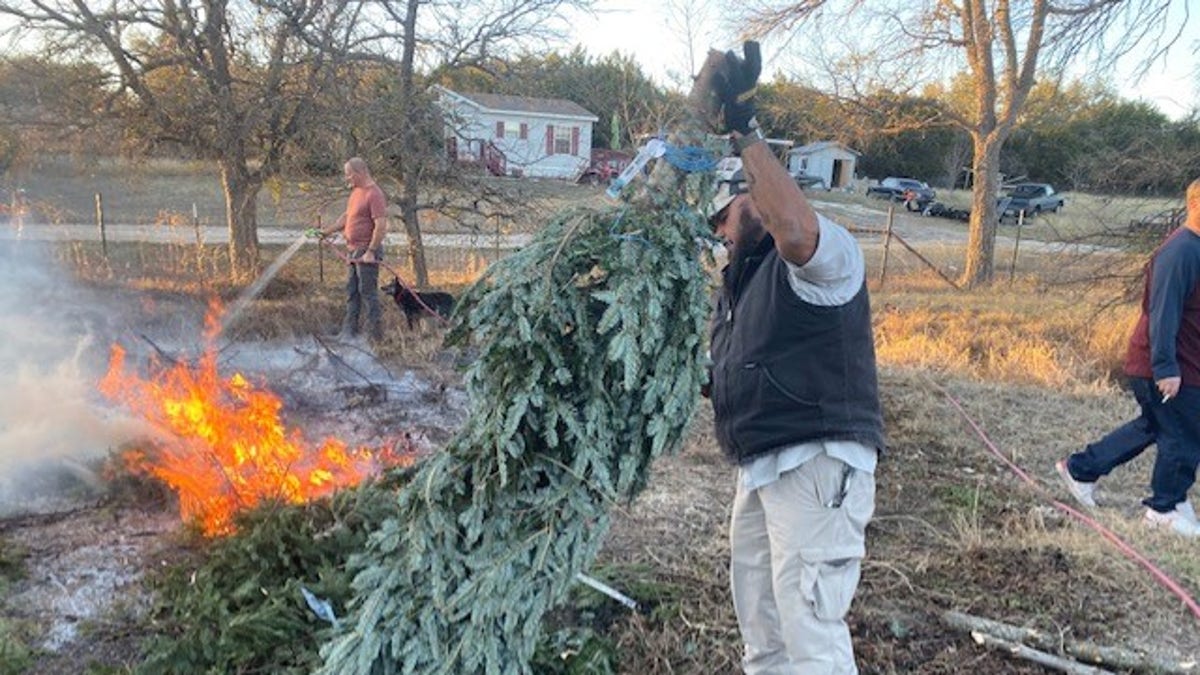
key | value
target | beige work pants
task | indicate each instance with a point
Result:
(796, 558)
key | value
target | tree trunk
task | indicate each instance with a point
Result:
(412, 227)
(241, 217)
(981, 242)
(409, 172)
(699, 116)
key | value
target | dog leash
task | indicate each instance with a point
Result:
(337, 251)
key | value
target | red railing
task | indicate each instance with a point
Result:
(493, 159)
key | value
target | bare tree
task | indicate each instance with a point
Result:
(233, 80)
(1003, 45)
(689, 19)
(241, 81)
(435, 36)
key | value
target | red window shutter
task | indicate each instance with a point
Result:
(574, 140)
(524, 131)
(549, 139)
(500, 129)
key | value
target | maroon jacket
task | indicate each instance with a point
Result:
(1166, 339)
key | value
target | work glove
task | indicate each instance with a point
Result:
(735, 84)
(314, 233)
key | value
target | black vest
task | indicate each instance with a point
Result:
(786, 371)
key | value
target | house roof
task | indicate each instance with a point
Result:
(813, 148)
(525, 104)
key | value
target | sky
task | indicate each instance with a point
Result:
(650, 33)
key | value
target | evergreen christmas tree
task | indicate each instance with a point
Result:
(590, 360)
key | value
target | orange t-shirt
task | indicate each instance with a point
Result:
(364, 206)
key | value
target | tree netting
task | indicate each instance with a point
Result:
(589, 361)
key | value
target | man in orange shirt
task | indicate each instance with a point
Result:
(363, 226)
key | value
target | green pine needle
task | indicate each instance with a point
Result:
(589, 358)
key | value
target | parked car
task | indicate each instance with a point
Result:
(915, 193)
(1032, 198)
(605, 166)
(806, 181)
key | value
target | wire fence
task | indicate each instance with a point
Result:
(457, 258)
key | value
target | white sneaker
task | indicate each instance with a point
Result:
(1177, 520)
(1084, 493)
(1185, 507)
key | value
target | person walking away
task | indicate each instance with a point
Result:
(363, 225)
(1162, 363)
(796, 406)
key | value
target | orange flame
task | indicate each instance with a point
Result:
(229, 450)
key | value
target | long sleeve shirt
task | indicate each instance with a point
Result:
(1166, 340)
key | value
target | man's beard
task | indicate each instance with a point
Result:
(750, 233)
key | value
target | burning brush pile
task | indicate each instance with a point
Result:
(226, 448)
(588, 367)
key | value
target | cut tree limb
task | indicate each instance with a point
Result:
(1030, 654)
(1097, 654)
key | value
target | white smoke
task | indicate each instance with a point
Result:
(51, 415)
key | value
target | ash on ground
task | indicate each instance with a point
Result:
(338, 388)
(84, 552)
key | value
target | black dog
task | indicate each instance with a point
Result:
(417, 304)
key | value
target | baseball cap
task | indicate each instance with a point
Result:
(727, 189)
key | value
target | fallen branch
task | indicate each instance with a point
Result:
(30, 520)
(159, 350)
(337, 359)
(1097, 654)
(1042, 658)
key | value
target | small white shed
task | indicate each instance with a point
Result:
(831, 161)
(518, 135)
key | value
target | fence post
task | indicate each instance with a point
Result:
(887, 242)
(100, 225)
(1012, 266)
(320, 254)
(18, 211)
(497, 257)
(199, 240)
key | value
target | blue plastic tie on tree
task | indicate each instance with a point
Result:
(319, 606)
(633, 236)
(627, 236)
(690, 158)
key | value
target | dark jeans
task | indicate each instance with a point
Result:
(1174, 426)
(362, 288)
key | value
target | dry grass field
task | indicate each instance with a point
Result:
(64, 189)
(1033, 361)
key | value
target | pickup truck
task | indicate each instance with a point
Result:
(1032, 198)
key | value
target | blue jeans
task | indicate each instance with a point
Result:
(1173, 426)
(362, 288)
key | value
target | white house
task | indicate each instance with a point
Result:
(831, 161)
(518, 135)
